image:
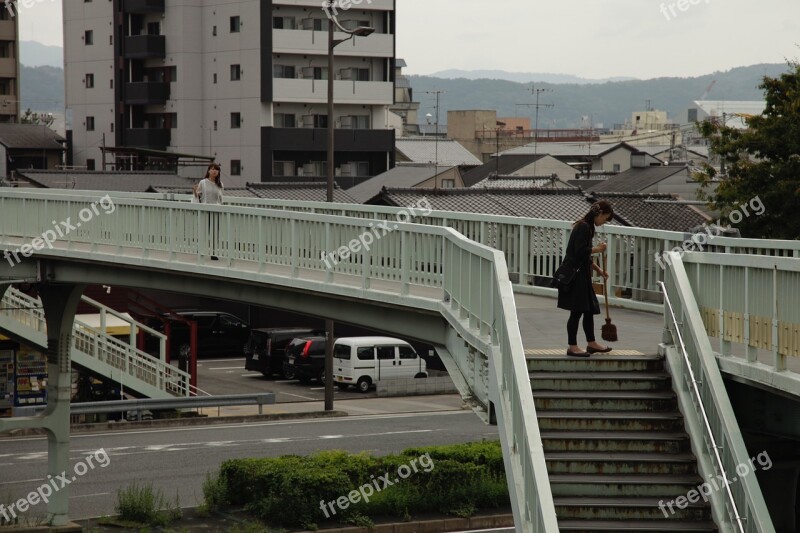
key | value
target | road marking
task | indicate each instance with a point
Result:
(227, 427)
(90, 495)
(297, 396)
(20, 481)
(228, 360)
(284, 381)
(225, 368)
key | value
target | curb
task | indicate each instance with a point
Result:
(441, 525)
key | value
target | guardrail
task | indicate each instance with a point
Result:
(705, 401)
(86, 408)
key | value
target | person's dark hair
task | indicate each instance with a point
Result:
(219, 173)
(601, 207)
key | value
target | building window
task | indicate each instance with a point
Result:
(361, 122)
(215, 77)
(320, 73)
(112, 127)
(315, 121)
(236, 120)
(90, 164)
(111, 83)
(284, 23)
(111, 40)
(283, 168)
(89, 81)
(236, 24)
(448, 184)
(89, 123)
(236, 72)
(616, 167)
(283, 71)
(236, 167)
(215, 125)
(285, 120)
(88, 37)
(153, 28)
(214, 31)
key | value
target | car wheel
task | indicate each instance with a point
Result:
(305, 380)
(266, 374)
(421, 375)
(364, 384)
(342, 386)
(321, 377)
(289, 374)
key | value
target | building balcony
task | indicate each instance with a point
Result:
(154, 138)
(8, 30)
(316, 43)
(144, 6)
(8, 67)
(146, 92)
(316, 140)
(345, 91)
(144, 46)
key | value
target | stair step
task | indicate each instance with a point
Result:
(605, 508)
(620, 463)
(635, 526)
(595, 363)
(658, 401)
(615, 441)
(609, 421)
(607, 381)
(664, 487)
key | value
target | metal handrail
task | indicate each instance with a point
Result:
(702, 408)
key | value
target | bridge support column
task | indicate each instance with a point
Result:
(60, 303)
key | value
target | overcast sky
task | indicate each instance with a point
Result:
(588, 38)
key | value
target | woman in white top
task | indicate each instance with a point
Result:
(209, 191)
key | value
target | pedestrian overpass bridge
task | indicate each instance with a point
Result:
(447, 279)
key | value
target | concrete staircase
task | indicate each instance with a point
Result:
(615, 444)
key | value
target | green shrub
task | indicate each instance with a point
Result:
(143, 504)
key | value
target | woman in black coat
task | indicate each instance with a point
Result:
(578, 297)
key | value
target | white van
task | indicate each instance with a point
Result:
(361, 361)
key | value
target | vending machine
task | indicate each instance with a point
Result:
(6, 382)
(30, 379)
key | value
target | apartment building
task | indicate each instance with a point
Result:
(244, 81)
(9, 64)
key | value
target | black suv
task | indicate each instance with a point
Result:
(265, 350)
(218, 333)
(305, 359)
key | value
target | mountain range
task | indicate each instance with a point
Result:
(568, 101)
(573, 105)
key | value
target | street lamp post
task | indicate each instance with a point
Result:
(361, 31)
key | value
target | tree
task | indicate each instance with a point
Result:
(29, 117)
(762, 163)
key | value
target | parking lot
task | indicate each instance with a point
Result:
(228, 376)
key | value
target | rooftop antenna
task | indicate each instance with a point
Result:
(436, 140)
(537, 105)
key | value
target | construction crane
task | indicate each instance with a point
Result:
(708, 89)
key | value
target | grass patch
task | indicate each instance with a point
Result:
(142, 504)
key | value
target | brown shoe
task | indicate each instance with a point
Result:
(576, 354)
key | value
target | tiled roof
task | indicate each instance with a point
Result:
(103, 181)
(300, 191)
(403, 175)
(637, 179)
(654, 211)
(565, 149)
(553, 204)
(424, 150)
(506, 165)
(523, 182)
(232, 191)
(30, 136)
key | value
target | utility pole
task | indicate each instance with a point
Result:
(537, 105)
(436, 139)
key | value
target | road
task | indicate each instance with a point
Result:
(227, 376)
(178, 459)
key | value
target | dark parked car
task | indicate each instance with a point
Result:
(305, 359)
(218, 333)
(265, 350)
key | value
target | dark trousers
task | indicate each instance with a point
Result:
(572, 326)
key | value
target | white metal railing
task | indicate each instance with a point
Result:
(723, 440)
(400, 267)
(100, 346)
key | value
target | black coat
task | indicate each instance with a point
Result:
(579, 295)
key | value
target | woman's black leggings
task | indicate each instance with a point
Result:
(572, 326)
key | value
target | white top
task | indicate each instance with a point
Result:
(209, 192)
